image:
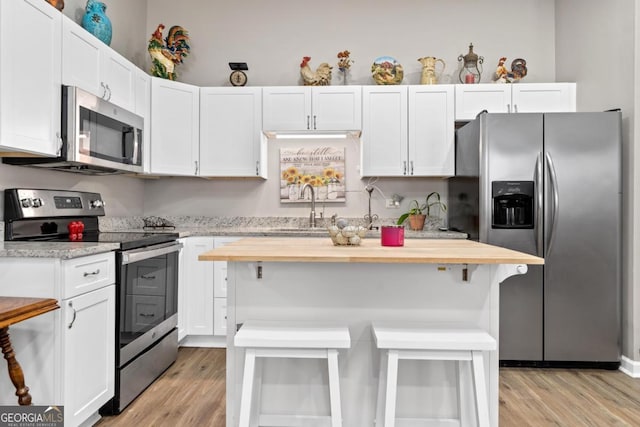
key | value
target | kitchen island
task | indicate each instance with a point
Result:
(441, 280)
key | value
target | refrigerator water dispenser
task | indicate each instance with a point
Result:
(513, 204)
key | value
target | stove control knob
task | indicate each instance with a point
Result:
(26, 203)
(96, 204)
(37, 202)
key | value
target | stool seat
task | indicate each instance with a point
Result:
(289, 339)
(431, 336)
(277, 334)
(431, 341)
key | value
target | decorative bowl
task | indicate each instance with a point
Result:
(349, 235)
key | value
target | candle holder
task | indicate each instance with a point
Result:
(470, 73)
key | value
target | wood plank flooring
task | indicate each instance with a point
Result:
(192, 393)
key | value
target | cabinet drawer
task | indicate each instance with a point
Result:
(220, 316)
(88, 273)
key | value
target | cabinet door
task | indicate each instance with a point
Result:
(431, 130)
(89, 349)
(384, 131)
(220, 316)
(220, 268)
(143, 109)
(198, 287)
(543, 97)
(174, 128)
(30, 76)
(471, 99)
(118, 75)
(81, 58)
(286, 108)
(336, 108)
(231, 139)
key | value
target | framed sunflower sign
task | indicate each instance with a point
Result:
(322, 167)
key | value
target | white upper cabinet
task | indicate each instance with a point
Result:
(93, 66)
(408, 131)
(431, 130)
(231, 139)
(384, 131)
(317, 108)
(175, 131)
(30, 77)
(471, 99)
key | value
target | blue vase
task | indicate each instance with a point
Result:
(96, 21)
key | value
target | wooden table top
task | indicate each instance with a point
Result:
(416, 251)
(17, 309)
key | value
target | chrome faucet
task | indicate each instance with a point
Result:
(312, 215)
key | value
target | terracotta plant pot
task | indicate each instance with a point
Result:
(416, 222)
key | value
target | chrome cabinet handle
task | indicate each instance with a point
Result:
(104, 90)
(515, 108)
(257, 167)
(148, 277)
(196, 171)
(411, 163)
(92, 273)
(404, 167)
(147, 315)
(74, 314)
(308, 122)
(508, 108)
(314, 122)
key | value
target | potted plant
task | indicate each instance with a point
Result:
(418, 212)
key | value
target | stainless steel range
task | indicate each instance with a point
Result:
(146, 279)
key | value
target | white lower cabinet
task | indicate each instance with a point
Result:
(67, 355)
(202, 299)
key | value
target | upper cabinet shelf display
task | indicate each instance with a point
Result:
(30, 77)
(93, 66)
(317, 108)
(514, 98)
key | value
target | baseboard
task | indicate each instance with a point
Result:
(630, 367)
(209, 341)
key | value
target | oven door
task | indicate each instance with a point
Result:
(148, 297)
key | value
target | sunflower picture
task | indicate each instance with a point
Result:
(320, 167)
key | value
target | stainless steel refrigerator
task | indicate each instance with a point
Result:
(548, 185)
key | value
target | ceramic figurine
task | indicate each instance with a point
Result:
(58, 4)
(429, 76)
(96, 21)
(167, 53)
(344, 63)
(387, 71)
(320, 77)
(518, 71)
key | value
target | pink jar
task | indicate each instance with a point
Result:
(392, 235)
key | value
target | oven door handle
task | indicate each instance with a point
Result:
(141, 254)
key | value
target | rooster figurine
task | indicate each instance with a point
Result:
(320, 77)
(167, 53)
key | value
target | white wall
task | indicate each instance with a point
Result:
(272, 37)
(600, 54)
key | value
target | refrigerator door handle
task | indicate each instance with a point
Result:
(537, 179)
(553, 178)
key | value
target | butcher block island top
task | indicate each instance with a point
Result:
(414, 251)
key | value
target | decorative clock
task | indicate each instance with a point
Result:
(238, 76)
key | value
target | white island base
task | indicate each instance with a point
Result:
(358, 293)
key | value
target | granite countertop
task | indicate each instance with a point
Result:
(201, 226)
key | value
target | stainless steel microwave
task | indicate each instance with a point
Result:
(98, 137)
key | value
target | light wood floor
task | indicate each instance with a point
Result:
(192, 393)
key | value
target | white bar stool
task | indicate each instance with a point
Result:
(263, 339)
(430, 341)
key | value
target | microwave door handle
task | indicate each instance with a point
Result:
(136, 144)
